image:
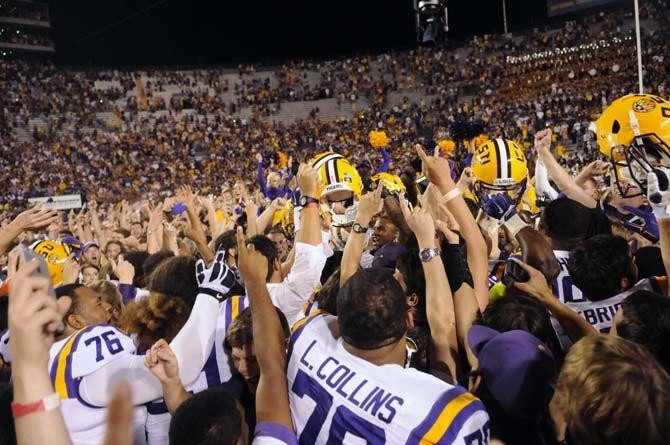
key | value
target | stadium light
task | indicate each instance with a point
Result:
(432, 21)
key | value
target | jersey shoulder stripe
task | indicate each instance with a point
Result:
(445, 418)
(61, 369)
(298, 327)
(234, 306)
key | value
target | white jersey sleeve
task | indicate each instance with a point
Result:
(271, 433)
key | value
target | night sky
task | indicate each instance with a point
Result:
(227, 32)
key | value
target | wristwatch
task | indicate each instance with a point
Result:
(426, 255)
(305, 200)
(357, 228)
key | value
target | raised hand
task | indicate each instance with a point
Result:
(435, 168)
(216, 279)
(536, 286)
(308, 180)
(35, 218)
(71, 270)
(543, 140)
(34, 316)
(162, 363)
(499, 206)
(253, 266)
(370, 204)
(421, 223)
(123, 269)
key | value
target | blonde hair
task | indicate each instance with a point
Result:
(613, 392)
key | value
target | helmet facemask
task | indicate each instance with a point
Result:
(483, 191)
(646, 154)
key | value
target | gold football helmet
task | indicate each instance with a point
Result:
(339, 179)
(499, 166)
(55, 253)
(634, 133)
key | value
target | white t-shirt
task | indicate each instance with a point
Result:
(336, 397)
(291, 294)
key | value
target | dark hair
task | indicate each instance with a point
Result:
(240, 332)
(175, 277)
(598, 264)
(137, 259)
(518, 311)
(409, 266)
(326, 297)
(568, 222)
(227, 240)
(68, 290)
(265, 247)
(646, 321)
(208, 417)
(7, 431)
(124, 232)
(332, 265)
(153, 260)
(371, 309)
(649, 262)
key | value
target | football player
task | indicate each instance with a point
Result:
(91, 355)
(339, 190)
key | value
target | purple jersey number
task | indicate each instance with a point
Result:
(344, 421)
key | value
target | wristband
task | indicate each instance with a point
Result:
(48, 403)
(451, 194)
(311, 205)
(514, 225)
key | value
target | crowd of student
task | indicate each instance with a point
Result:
(456, 277)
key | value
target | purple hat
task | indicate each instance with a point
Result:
(516, 367)
(387, 255)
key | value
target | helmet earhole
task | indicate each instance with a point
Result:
(616, 126)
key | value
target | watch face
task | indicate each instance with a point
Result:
(303, 201)
(424, 254)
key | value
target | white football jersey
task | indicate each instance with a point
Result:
(77, 356)
(598, 313)
(337, 397)
(216, 372)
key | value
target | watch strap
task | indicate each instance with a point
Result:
(358, 228)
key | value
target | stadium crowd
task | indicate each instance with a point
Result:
(483, 261)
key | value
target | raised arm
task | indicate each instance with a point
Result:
(439, 301)
(32, 219)
(575, 326)
(192, 345)
(438, 172)
(261, 175)
(265, 220)
(34, 316)
(95, 223)
(386, 162)
(557, 173)
(370, 204)
(272, 404)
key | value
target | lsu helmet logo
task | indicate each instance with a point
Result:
(644, 105)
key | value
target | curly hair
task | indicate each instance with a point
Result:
(153, 318)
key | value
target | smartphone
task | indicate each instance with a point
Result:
(27, 254)
(515, 272)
